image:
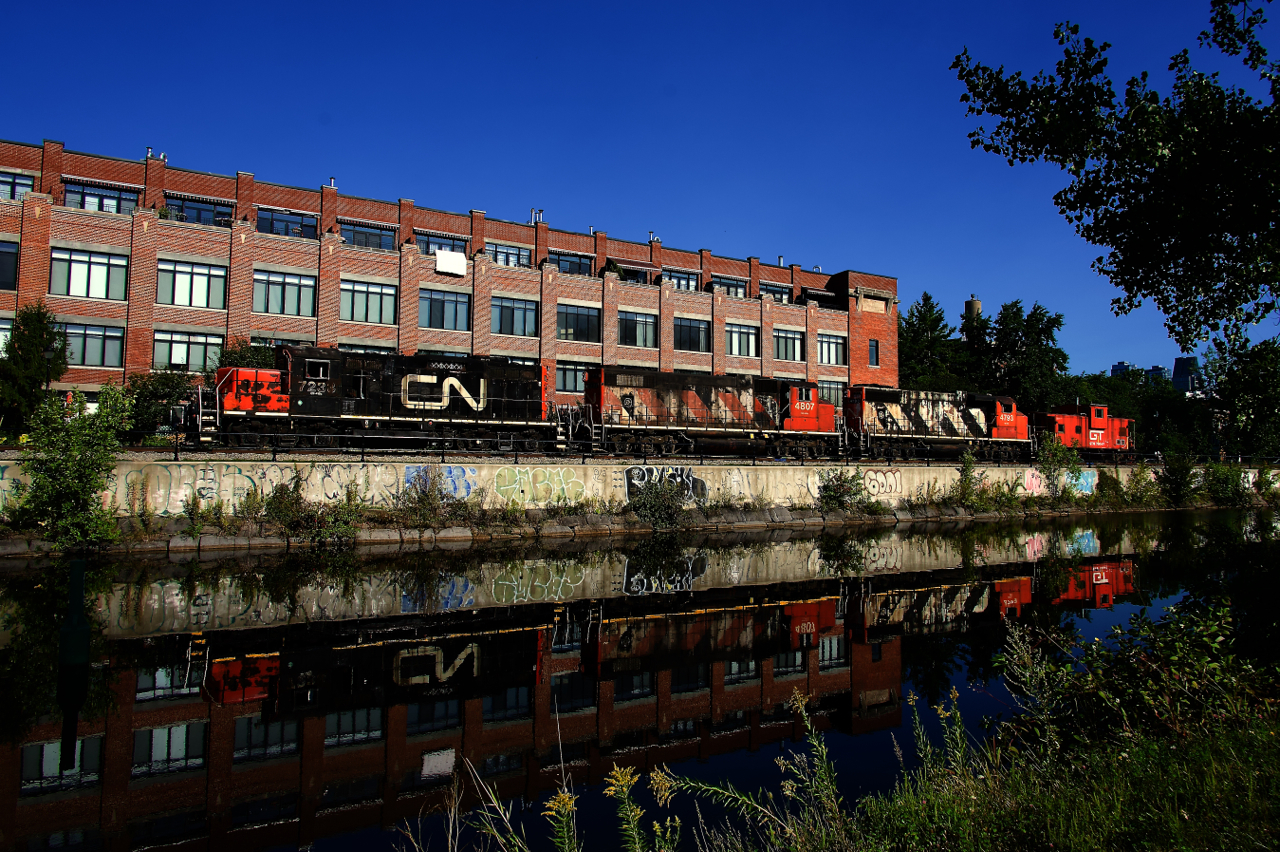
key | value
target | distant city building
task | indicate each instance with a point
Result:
(1186, 374)
(1120, 368)
(1158, 372)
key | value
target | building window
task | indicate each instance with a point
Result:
(682, 280)
(514, 316)
(637, 330)
(432, 716)
(789, 662)
(168, 682)
(690, 678)
(191, 285)
(353, 726)
(443, 309)
(183, 352)
(101, 198)
(572, 691)
(368, 236)
(94, 346)
(732, 286)
(282, 293)
(363, 302)
(431, 243)
(780, 293)
(6, 330)
(510, 703)
(500, 764)
(285, 224)
(629, 686)
(571, 378)
(739, 671)
(572, 264)
(88, 275)
(260, 740)
(172, 749)
(833, 652)
(198, 212)
(627, 275)
(742, 340)
(832, 392)
(41, 772)
(788, 345)
(833, 349)
(508, 255)
(574, 322)
(8, 266)
(13, 187)
(873, 353)
(692, 335)
(368, 350)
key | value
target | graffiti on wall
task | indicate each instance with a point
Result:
(638, 476)
(882, 483)
(1085, 482)
(538, 485)
(456, 480)
(1033, 482)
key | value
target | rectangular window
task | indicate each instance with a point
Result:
(742, 340)
(832, 392)
(873, 353)
(101, 198)
(833, 349)
(740, 671)
(13, 187)
(172, 749)
(444, 309)
(692, 335)
(353, 726)
(191, 285)
(633, 276)
(690, 678)
(8, 266)
(732, 286)
(637, 330)
(368, 236)
(432, 716)
(184, 352)
(789, 662)
(94, 346)
(6, 329)
(284, 224)
(283, 293)
(514, 316)
(833, 652)
(510, 703)
(577, 323)
(509, 255)
(168, 682)
(198, 212)
(780, 293)
(260, 740)
(430, 243)
(682, 280)
(573, 264)
(88, 275)
(572, 691)
(629, 686)
(41, 761)
(571, 378)
(788, 345)
(500, 764)
(363, 302)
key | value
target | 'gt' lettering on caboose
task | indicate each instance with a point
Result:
(450, 384)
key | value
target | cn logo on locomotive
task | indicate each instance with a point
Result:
(446, 388)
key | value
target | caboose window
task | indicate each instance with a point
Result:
(578, 323)
(318, 370)
(1077, 430)
(1098, 412)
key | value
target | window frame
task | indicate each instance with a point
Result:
(9, 250)
(348, 301)
(220, 214)
(780, 293)
(372, 731)
(785, 340)
(575, 320)
(682, 279)
(267, 283)
(683, 327)
(88, 754)
(261, 746)
(735, 287)
(307, 225)
(84, 333)
(192, 757)
(523, 307)
(63, 263)
(192, 270)
(873, 352)
(9, 185)
(452, 304)
(841, 386)
(750, 332)
(501, 253)
(104, 194)
(833, 345)
(362, 235)
(571, 373)
(643, 326)
(429, 243)
(572, 263)
(206, 341)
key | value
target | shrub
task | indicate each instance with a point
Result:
(288, 511)
(1141, 488)
(1225, 486)
(659, 502)
(421, 504)
(251, 508)
(840, 490)
(1055, 461)
(1177, 480)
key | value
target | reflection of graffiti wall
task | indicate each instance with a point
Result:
(693, 487)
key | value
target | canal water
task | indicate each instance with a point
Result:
(323, 699)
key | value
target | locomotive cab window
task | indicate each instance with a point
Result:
(318, 370)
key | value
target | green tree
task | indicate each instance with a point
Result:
(926, 349)
(1244, 386)
(152, 394)
(66, 460)
(1025, 355)
(239, 352)
(1180, 191)
(23, 367)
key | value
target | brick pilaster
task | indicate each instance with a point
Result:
(138, 342)
(811, 342)
(328, 289)
(51, 171)
(717, 334)
(410, 267)
(33, 260)
(541, 233)
(153, 195)
(655, 253)
(766, 336)
(704, 266)
(240, 273)
(477, 231)
(609, 320)
(397, 754)
(666, 329)
(328, 210)
(604, 713)
(482, 305)
(117, 754)
(857, 342)
(795, 280)
(753, 278)
(245, 211)
(406, 222)
(311, 773)
(602, 250)
(550, 296)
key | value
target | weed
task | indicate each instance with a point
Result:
(1225, 485)
(841, 491)
(659, 502)
(251, 509)
(1177, 480)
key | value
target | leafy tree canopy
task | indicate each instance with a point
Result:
(23, 367)
(1182, 191)
(153, 394)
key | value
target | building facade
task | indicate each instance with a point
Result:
(150, 267)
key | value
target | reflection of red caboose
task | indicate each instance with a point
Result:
(1100, 584)
(1088, 427)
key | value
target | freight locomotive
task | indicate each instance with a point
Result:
(322, 397)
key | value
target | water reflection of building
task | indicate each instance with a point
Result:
(276, 736)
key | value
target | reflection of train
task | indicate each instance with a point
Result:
(325, 397)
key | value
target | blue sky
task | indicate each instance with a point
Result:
(831, 134)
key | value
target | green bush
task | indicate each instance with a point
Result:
(1177, 479)
(1141, 488)
(660, 502)
(1224, 484)
(841, 491)
(1057, 462)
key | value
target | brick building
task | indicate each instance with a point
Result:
(154, 267)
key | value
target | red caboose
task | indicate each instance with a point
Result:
(1088, 427)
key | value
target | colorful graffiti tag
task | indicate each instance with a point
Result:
(638, 476)
(538, 485)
